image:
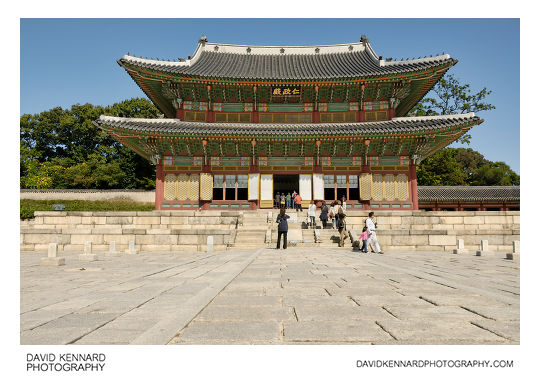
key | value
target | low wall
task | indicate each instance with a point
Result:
(151, 231)
(188, 230)
(439, 230)
(89, 195)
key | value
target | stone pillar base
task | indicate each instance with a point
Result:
(53, 261)
(88, 257)
(485, 253)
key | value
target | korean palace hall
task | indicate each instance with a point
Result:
(242, 123)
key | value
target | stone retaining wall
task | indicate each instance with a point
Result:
(89, 194)
(151, 231)
(188, 230)
(439, 230)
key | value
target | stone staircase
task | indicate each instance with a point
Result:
(251, 232)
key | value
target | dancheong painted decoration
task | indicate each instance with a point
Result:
(242, 123)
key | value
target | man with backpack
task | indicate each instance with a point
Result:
(340, 224)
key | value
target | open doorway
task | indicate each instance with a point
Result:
(286, 184)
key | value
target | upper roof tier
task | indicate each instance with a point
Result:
(350, 60)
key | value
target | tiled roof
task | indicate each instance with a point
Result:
(286, 62)
(468, 193)
(396, 125)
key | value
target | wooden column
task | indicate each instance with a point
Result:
(210, 116)
(180, 114)
(159, 186)
(316, 116)
(414, 186)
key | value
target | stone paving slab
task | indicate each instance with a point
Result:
(246, 332)
(331, 331)
(298, 296)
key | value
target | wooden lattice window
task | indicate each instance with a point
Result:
(353, 181)
(402, 188)
(376, 116)
(242, 181)
(233, 117)
(377, 188)
(389, 187)
(338, 117)
(192, 116)
(218, 181)
(285, 118)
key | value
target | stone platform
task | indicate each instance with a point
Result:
(264, 296)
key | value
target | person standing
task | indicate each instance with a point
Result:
(276, 200)
(344, 205)
(324, 214)
(311, 213)
(282, 201)
(364, 238)
(293, 196)
(288, 200)
(298, 201)
(372, 225)
(283, 228)
(340, 223)
(332, 215)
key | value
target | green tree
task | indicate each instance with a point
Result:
(494, 173)
(62, 148)
(453, 97)
(442, 168)
(464, 166)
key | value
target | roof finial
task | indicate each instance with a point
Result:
(364, 39)
(203, 39)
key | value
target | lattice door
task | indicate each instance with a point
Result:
(377, 188)
(194, 187)
(389, 188)
(183, 187)
(365, 186)
(402, 187)
(206, 186)
(169, 187)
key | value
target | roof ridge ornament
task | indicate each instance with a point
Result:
(203, 40)
(282, 50)
(364, 39)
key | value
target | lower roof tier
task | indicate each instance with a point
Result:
(410, 136)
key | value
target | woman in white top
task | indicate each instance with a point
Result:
(311, 213)
(344, 204)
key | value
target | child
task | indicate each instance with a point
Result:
(364, 237)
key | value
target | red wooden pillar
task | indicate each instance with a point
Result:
(210, 116)
(316, 117)
(360, 116)
(255, 117)
(180, 114)
(159, 186)
(391, 113)
(414, 186)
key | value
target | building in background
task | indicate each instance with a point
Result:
(244, 122)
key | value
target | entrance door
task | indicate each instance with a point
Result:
(286, 184)
(266, 201)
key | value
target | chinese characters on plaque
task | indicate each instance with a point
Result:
(285, 90)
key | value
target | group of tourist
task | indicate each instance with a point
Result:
(336, 212)
(289, 201)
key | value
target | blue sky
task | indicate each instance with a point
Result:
(69, 61)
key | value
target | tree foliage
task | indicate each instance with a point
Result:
(61, 148)
(464, 166)
(452, 97)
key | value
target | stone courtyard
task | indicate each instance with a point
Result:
(264, 296)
